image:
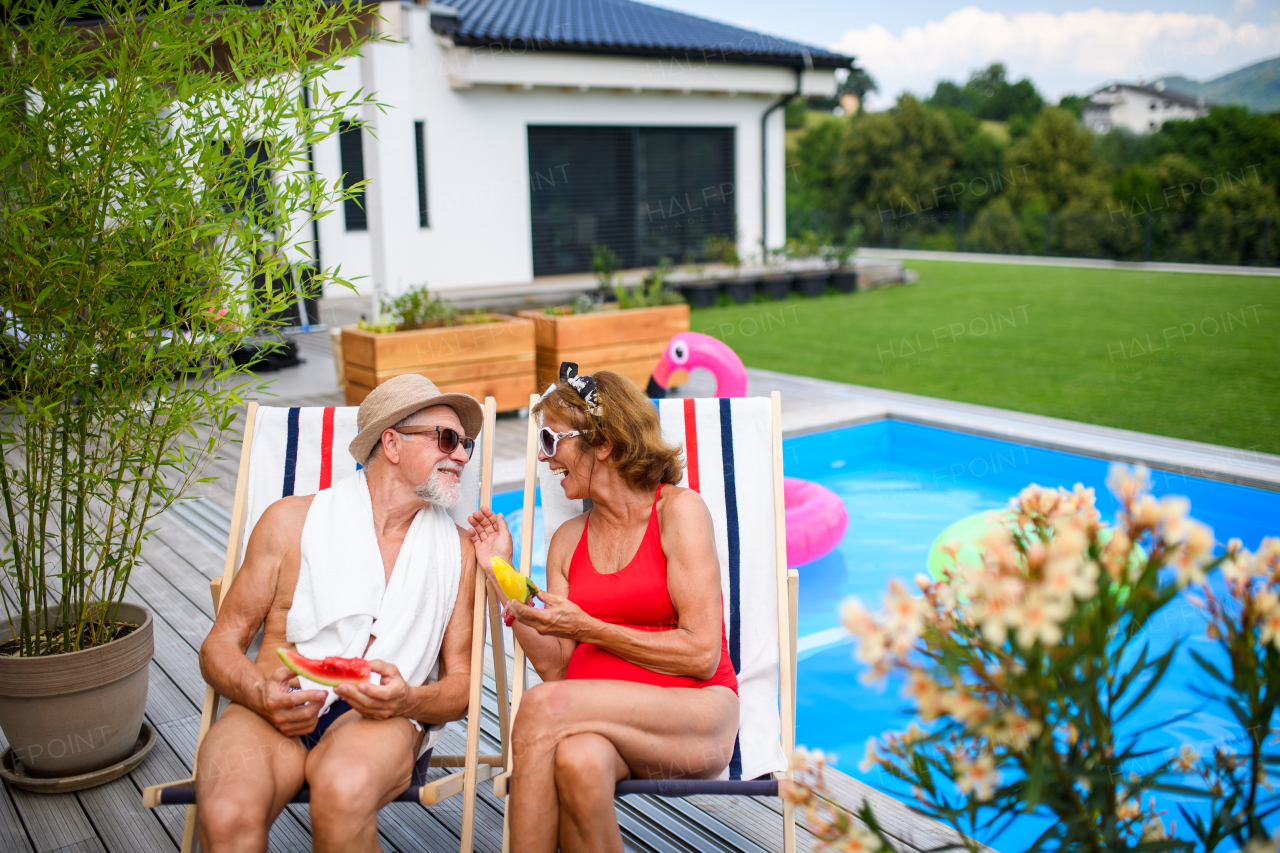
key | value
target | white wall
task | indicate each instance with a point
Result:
(477, 149)
(1137, 110)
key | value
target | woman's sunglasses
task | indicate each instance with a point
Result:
(448, 439)
(548, 440)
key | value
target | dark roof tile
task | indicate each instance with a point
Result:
(625, 27)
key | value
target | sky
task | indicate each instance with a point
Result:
(1064, 47)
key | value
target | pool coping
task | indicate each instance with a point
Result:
(856, 404)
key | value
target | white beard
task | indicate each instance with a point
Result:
(438, 490)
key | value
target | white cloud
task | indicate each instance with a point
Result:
(1070, 52)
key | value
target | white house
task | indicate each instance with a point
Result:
(1141, 109)
(519, 134)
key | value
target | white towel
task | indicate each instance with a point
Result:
(341, 599)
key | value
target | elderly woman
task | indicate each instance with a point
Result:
(630, 642)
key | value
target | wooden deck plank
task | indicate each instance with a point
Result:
(165, 702)
(172, 606)
(51, 821)
(122, 822)
(55, 821)
(177, 659)
(173, 537)
(412, 828)
(162, 766)
(13, 836)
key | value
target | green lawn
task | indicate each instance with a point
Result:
(1191, 356)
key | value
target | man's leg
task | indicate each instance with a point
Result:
(247, 772)
(358, 767)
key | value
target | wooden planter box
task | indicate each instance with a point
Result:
(481, 359)
(627, 342)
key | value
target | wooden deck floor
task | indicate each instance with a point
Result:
(173, 582)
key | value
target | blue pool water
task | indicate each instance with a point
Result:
(902, 485)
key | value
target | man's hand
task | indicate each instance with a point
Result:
(293, 713)
(379, 701)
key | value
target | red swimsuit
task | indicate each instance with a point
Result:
(635, 596)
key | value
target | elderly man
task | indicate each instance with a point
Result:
(373, 568)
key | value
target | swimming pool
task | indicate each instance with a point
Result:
(902, 484)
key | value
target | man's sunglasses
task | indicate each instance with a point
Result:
(447, 438)
(548, 440)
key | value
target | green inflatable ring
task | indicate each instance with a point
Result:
(968, 530)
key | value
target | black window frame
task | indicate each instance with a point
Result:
(597, 184)
(351, 158)
(420, 145)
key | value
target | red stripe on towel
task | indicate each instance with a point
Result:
(691, 443)
(326, 449)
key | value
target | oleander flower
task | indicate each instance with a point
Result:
(1267, 607)
(1127, 483)
(1016, 731)
(904, 612)
(1115, 555)
(1191, 554)
(858, 840)
(978, 776)
(927, 693)
(1131, 809)
(1041, 620)
(965, 707)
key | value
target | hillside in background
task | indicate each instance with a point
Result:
(1256, 87)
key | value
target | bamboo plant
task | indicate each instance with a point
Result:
(156, 200)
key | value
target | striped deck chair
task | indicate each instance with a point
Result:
(733, 454)
(299, 451)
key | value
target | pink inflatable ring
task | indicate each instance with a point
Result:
(816, 521)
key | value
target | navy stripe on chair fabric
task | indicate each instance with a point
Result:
(696, 787)
(187, 796)
(735, 763)
(731, 525)
(291, 454)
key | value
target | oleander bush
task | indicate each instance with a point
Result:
(1027, 671)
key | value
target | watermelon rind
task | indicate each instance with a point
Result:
(293, 660)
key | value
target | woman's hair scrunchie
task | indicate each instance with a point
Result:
(584, 385)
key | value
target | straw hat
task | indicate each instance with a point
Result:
(401, 396)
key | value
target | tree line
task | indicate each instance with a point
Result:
(991, 166)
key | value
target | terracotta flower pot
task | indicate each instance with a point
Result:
(78, 712)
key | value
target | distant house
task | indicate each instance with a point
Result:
(1140, 108)
(520, 134)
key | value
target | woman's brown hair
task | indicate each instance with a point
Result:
(628, 419)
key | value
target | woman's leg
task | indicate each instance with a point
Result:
(657, 732)
(587, 766)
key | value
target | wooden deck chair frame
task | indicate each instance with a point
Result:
(788, 600)
(475, 767)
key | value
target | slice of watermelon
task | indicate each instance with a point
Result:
(330, 671)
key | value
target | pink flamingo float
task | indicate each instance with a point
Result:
(816, 517)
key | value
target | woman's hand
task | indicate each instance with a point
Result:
(491, 538)
(559, 618)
